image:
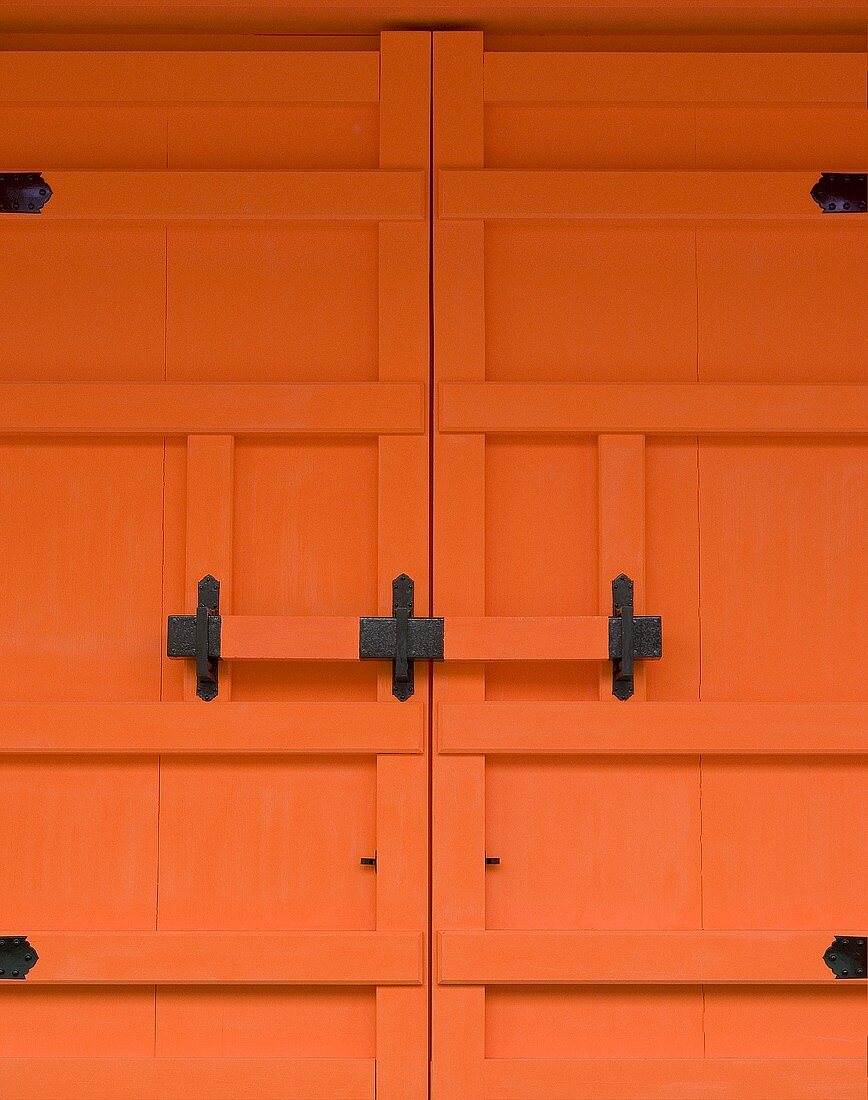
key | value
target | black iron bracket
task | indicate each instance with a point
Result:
(198, 636)
(841, 192)
(401, 639)
(23, 192)
(17, 958)
(630, 637)
(847, 957)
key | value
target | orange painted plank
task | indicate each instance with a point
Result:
(208, 535)
(621, 534)
(458, 785)
(675, 1079)
(664, 958)
(655, 409)
(290, 638)
(694, 77)
(491, 638)
(641, 729)
(179, 408)
(402, 545)
(190, 729)
(637, 195)
(188, 1079)
(225, 76)
(227, 958)
(259, 196)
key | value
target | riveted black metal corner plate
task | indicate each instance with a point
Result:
(841, 192)
(199, 636)
(17, 958)
(847, 957)
(23, 192)
(401, 639)
(630, 637)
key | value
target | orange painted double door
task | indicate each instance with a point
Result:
(512, 317)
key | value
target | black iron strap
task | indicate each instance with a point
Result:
(847, 957)
(630, 636)
(23, 192)
(198, 636)
(841, 192)
(401, 639)
(17, 958)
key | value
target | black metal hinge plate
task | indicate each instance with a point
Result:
(401, 639)
(847, 957)
(198, 636)
(17, 958)
(630, 636)
(841, 192)
(23, 192)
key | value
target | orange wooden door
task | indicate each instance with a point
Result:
(649, 355)
(216, 362)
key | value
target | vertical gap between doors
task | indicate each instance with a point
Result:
(431, 398)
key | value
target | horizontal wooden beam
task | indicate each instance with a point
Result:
(669, 196)
(733, 79)
(527, 638)
(646, 729)
(290, 638)
(248, 1078)
(226, 958)
(660, 958)
(190, 729)
(700, 408)
(194, 76)
(193, 408)
(259, 196)
(674, 1078)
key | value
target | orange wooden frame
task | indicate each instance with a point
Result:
(392, 957)
(469, 408)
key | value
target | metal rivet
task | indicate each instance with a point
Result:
(845, 941)
(831, 206)
(832, 958)
(28, 958)
(14, 973)
(844, 973)
(15, 943)
(41, 190)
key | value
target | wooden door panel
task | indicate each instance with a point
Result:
(293, 303)
(791, 513)
(746, 334)
(97, 311)
(596, 305)
(232, 346)
(276, 135)
(636, 373)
